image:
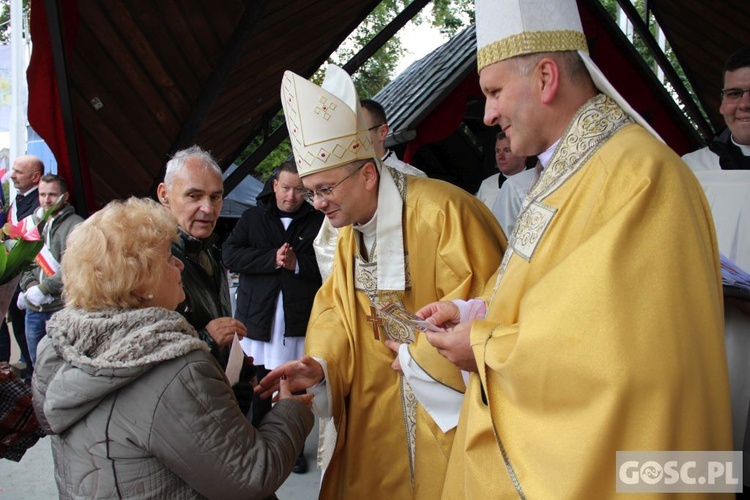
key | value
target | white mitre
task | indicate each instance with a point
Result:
(326, 125)
(510, 28)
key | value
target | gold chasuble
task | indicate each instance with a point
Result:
(604, 331)
(387, 445)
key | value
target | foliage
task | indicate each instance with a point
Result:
(5, 18)
(22, 243)
(275, 158)
(612, 7)
(375, 73)
(448, 16)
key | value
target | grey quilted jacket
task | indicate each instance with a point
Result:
(140, 409)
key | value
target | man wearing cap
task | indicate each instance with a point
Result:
(603, 332)
(403, 240)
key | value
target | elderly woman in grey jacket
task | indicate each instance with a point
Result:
(136, 404)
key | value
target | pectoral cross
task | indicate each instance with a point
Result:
(376, 322)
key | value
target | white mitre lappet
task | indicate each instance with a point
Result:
(510, 28)
(327, 129)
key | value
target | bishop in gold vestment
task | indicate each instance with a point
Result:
(604, 330)
(387, 444)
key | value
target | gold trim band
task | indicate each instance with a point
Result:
(530, 42)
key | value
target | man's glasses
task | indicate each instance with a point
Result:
(326, 192)
(733, 94)
(375, 126)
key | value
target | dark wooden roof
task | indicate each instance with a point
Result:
(172, 73)
(703, 34)
(147, 78)
(413, 94)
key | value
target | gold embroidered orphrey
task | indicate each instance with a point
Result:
(597, 120)
(594, 124)
(384, 328)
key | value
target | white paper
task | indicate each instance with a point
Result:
(236, 360)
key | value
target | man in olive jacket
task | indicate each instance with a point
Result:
(271, 248)
(193, 192)
(42, 286)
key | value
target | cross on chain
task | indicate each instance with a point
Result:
(376, 322)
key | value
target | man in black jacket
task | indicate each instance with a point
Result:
(26, 172)
(271, 247)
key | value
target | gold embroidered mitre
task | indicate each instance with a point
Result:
(326, 125)
(508, 29)
(511, 28)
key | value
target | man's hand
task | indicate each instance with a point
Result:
(394, 346)
(455, 346)
(286, 258)
(21, 301)
(222, 330)
(443, 314)
(285, 393)
(37, 297)
(300, 374)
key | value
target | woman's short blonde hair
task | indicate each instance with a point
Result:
(115, 252)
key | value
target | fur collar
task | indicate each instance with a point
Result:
(121, 338)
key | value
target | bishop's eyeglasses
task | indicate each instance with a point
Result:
(326, 192)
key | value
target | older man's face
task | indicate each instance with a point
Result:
(513, 103)
(194, 198)
(25, 175)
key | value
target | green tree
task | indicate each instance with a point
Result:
(448, 16)
(5, 19)
(612, 7)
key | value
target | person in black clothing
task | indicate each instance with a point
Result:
(26, 172)
(271, 248)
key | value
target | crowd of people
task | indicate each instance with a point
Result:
(569, 311)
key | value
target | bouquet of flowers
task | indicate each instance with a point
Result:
(19, 247)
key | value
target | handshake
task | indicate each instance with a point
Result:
(33, 296)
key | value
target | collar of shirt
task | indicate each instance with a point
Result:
(743, 147)
(545, 157)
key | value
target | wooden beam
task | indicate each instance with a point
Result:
(216, 82)
(251, 162)
(653, 47)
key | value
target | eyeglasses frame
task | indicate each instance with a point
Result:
(326, 192)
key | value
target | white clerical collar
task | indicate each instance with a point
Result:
(385, 227)
(743, 147)
(545, 157)
(369, 231)
(31, 190)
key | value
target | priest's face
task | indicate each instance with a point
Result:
(289, 192)
(736, 111)
(508, 163)
(345, 194)
(513, 103)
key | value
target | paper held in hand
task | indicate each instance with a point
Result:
(236, 360)
(399, 314)
(735, 280)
